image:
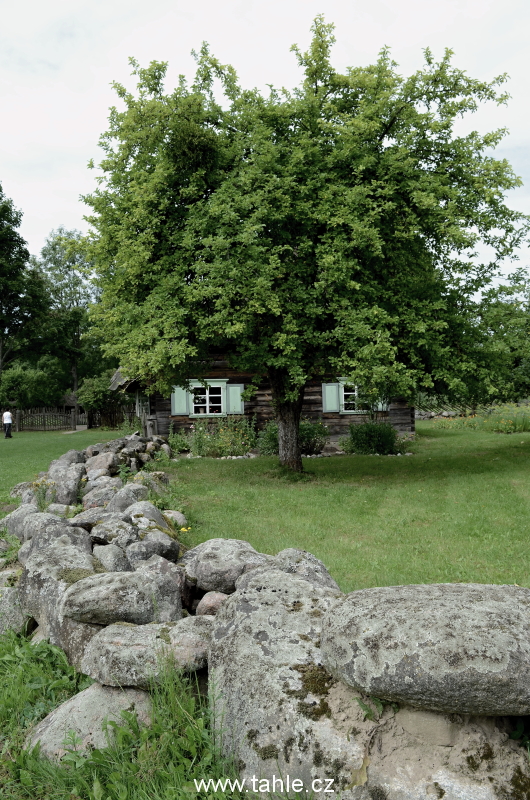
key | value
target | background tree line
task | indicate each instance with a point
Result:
(47, 345)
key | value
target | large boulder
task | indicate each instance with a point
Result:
(112, 557)
(146, 516)
(99, 497)
(210, 603)
(60, 510)
(68, 458)
(135, 597)
(131, 493)
(35, 524)
(176, 517)
(136, 655)
(67, 480)
(154, 543)
(11, 615)
(47, 575)
(115, 531)
(47, 536)
(458, 648)
(108, 462)
(85, 715)
(216, 565)
(294, 562)
(95, 516)
(103, 481)
(14, 522)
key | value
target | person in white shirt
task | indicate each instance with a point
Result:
(7, 422)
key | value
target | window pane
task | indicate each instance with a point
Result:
(350, 400)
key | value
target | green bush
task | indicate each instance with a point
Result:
(506, 418)
(372, 437)
(313, 436)
(224, 436)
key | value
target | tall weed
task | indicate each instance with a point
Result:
(508, 418)
(313, 437)
(225, 436)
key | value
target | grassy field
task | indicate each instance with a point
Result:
(457, 510)
(28, 453)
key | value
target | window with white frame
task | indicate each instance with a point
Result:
(209, 398)
(344, 398)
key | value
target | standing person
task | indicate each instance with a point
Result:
(7, 421)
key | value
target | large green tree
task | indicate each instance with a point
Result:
(330, 230)
(23, 297)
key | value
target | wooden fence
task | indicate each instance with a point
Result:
(55, 419)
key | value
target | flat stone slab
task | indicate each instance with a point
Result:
(456, 648)
(85, 714)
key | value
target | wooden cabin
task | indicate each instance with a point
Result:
(334, 403)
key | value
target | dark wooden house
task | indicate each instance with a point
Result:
(333, 402)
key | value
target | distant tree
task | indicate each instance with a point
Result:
(23, 295)
(26, 386)
(330, 230)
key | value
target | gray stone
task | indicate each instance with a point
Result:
(165, 448)
(155, 543)
(39, 523)
(115, 531)
(176, 517)
(96, 516)
(60, 510)
(294, 562)
(460, 648)
(136, 655)
(20, 488)
(14, 522)
(47, 575)
(104, 461)
(146, 516)
(67, 480)
(269, 691)
(94, 475)
(99, 498)
(216, 565)
(112, 557)
(135, 597)
(100, 482)
(169, 577)
(44, 538)
(9, 577)
(85, 714)
(211, 603)
(23, 552)
(71, 457)
(131, 493)
(11, 614)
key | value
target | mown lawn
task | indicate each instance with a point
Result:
(457, 510)
(28, 453)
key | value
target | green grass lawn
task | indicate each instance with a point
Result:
(457, 510)
(28, 453)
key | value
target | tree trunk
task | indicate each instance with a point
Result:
(288, 414)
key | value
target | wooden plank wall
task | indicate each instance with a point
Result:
(400, 414)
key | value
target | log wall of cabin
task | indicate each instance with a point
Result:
(400, 415)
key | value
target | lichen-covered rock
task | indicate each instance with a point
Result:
(133, 597)
(146, 516)
(211, 603)
(11, 615)
(115, 531)
(96, 516)
(10, 577)
(155, 543)
(45, 537)
(131, 493)
(60, 510)
(461, 648)
(39, 523)
(71, 457)
(135, 655)
(14, 522)
(99, 497)
(104, 461)
(269, 688)
(112, 557)
(20, 488)
(176, 517)
(294, 562)
(101, 481)
(67, 480)
(46, 576)
(216, 565)
(85, 715)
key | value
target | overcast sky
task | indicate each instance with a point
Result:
(58, 59)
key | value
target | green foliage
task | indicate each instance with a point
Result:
(94, 394)
(372, 437)
(312, 436)
(156, 762)
(9, 556)
(226, 436)
(327, 230)
(25, 386)
(507, 418)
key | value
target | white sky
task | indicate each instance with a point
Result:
(58, 58)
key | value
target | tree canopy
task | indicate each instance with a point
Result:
(330, 230)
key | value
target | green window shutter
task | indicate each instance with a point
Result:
(179, 402)
(381, 406)
(234, 403)
(330, 397)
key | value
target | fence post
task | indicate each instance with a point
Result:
(17, 420)
(74, 421)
